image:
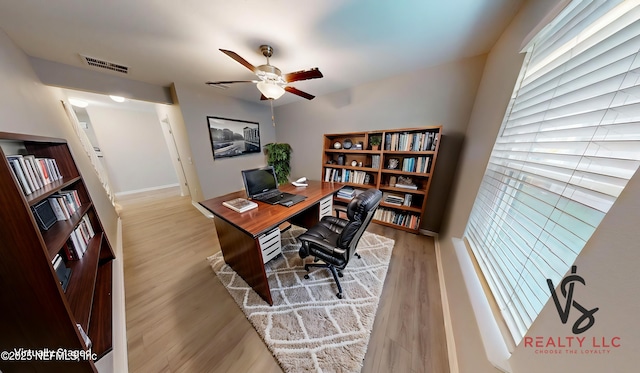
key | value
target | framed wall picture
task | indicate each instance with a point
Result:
(233, 137)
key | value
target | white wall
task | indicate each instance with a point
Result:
(27, 106)
(437, 95)
(222, 175)
(607, 263)
(134, 151)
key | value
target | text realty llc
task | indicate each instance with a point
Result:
(572, 345)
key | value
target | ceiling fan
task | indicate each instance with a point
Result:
(272, 83)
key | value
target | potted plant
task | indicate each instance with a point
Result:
(279, 156)
(375, 141)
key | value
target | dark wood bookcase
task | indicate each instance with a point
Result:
(37, 314)
(353, 154)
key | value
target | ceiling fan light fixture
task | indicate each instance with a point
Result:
(270, 90)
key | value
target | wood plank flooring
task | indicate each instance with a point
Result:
(181, 319)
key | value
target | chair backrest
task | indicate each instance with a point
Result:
(359, 212)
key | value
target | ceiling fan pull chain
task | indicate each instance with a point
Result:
(273, 118)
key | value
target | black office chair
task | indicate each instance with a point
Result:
(334, 240)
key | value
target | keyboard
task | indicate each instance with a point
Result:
(273, 198)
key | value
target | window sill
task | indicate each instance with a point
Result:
(494, 342)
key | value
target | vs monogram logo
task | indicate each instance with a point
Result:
(566, 286)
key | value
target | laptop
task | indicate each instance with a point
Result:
(261, 184)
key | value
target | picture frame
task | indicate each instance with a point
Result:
(233, 137)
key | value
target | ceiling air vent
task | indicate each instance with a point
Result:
(105, 64)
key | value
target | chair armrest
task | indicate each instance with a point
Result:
(320, 244)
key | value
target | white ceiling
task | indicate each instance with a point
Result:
(351, 41)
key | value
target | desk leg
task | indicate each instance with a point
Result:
(242, 253)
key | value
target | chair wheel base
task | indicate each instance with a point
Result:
(339, 295)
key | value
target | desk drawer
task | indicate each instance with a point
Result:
(326, 205)
(270, 244)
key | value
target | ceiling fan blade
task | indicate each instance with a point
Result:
(298, 92)
(236, 57)
(231, 82)
(302, 75)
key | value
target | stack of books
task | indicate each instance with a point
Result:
(393, 199)
(240, 205)
(347, 193)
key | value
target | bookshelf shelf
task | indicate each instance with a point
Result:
(38, 313)
(405, 155)
(48, 190)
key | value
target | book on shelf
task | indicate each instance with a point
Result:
(375, 161)
(85, 337)
(63, 273)
(68, 252)
(407, 199)
(240, 204)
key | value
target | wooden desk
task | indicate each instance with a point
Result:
(238, 233)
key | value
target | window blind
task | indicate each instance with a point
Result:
(569, 143)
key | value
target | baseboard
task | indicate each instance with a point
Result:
(448, 328)
(120, 354)
(120, 194)
(204, 211)
(426, 232)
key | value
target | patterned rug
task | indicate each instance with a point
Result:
(308, 329)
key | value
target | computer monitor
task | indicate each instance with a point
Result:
(259, 180)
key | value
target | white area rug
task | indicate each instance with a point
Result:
(308, 329)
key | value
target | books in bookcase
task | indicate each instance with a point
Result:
(78, 241)
(33, 173)
(411, 141)
(240, 204)
(347, 176)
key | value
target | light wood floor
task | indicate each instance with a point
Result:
(181, 319)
